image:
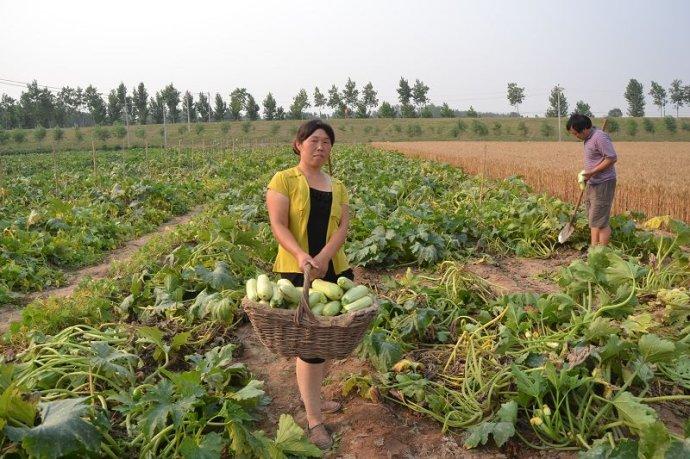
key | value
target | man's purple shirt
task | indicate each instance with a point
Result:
(597, 147)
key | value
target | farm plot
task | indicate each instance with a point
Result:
(143, 364)
(652, 176)
(64, 212)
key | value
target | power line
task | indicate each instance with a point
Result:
(23, 84)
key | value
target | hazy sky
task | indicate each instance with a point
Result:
(465, 51)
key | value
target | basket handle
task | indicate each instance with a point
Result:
(303, 309)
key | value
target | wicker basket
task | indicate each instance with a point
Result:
(298, 332)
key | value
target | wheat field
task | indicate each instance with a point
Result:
(652, 176)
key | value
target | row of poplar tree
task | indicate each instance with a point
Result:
(41, 106)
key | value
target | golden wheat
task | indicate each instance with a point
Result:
(652, 176)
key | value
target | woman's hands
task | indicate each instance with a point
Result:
(304, 260)
(322, 260)
(318, 264)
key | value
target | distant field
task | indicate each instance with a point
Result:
(652, 176)
(346, 130)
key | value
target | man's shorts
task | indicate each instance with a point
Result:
(598, 202)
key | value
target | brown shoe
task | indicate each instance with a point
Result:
(328, 406)
(320, 436)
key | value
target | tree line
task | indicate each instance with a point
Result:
(677, 95)
(38, 106)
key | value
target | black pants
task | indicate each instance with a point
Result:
(297, 280)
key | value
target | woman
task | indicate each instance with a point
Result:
(308, 210)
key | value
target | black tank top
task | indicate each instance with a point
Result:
(317, 230)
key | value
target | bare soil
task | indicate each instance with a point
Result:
(515, 274)
(99, 271)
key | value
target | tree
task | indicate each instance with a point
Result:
(156, 107)
(188, 108)
(237, 101)
(220, 108)
(557, 99)
(70, 101)
(251, 108)
(299, 103)
(119, 104)
(171, 96)
(472, 113)
(114, 107)
(516, 95)
(407, 111)
(446, 111)
(280, 113)
(9, 112)
(634, 94)
(583, 108)
(677, 94)
(615, 113)
(126, 102)
(95, 104)
(269, 104)
(350, 96)
(419, 92)
(140, 100)
(659, 98)
(203, 107)
(386, 111)
(36, 106)
(319, 100)
(404, 96)
(335, 101)
(404, 92)
(369, 100)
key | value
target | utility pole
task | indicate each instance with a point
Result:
(558, 89)
(124, 114)
(189, 127)
(165, 129)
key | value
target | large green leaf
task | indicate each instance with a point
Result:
(218, 279)
(532, 385)
(250, 391)
(633, 413)
(62, 431)
(13, 407)
(162, 403)
(600, 327)
(210, 447)
(290, 439)
(655, 349)
(106, 357)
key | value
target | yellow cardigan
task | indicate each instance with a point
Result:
(293, 184)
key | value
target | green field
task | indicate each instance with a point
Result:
(347, 131)
(144, 363)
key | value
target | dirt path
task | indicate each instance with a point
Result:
(99, 271)
(514, 274)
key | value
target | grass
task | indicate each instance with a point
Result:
(229, 133)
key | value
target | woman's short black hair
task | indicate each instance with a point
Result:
(308, 128)
(578, 122)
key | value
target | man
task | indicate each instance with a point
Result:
(599, 174)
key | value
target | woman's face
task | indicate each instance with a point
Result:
(315, 149)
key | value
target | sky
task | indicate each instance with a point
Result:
(465, 51)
